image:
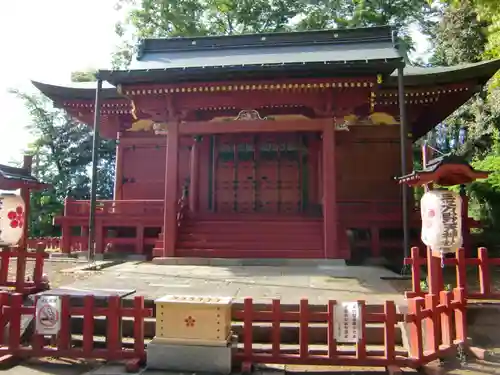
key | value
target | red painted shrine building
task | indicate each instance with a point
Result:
(261, 146)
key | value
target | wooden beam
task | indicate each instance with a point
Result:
(251, 126)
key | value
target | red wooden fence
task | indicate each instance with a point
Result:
(482, 265)
(447, 330)
(17, 280)
(61, 345)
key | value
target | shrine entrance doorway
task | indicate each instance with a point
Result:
(261, 173)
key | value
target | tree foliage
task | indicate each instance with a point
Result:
(62, 150)
(165, 18)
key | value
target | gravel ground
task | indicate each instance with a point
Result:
(55, 269)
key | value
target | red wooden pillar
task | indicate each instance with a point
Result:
(329, 192)
(117, 194)
(171, 194)
(194, 175)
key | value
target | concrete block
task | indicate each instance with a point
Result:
(192, 358)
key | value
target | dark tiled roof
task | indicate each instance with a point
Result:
(421, 76)
(76, 90)
(14, 178)
(314, 52)
(447, 170)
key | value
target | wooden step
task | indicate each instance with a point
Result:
(251, 237)
(252, 217)
(249, 253)
(251, 245)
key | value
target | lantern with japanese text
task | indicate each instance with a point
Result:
(441, 220)
(12, 219)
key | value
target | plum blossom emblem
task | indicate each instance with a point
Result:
(16, 217)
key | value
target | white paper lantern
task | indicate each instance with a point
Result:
(441, 220)
(12, 219)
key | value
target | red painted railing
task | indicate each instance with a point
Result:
(445, 333)
(61, 345)
(25, 284)
(153, 207)
(482, 265)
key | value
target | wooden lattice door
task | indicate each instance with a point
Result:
(261, 173)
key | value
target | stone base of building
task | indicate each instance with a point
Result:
(192, 358)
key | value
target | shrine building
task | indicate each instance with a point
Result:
(281, 145)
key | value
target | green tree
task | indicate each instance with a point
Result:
(460, 36)
(162, 18)
(62, 152)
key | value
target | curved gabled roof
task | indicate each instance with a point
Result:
(422, 76)
(76, 91)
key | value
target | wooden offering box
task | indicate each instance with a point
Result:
(197, 319)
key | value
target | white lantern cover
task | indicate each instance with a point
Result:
(441, 212)
(12, 220)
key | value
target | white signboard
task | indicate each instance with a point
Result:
(347, 322)
(48, 315)
(441, 212)
(12, 220)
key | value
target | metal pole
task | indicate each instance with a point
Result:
(403, 134)
(95, 159)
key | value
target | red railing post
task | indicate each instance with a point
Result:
(446, 318)
(39, 263)
(460, 306)
(415, 270)
(304, 328)
(247, 328)
(276, 328)
(139, 327)
(64, 337)
(88, 325)
(113, 332)
(484, 272)
(461, 269)
(14, 317)
(4, 303)
(332, 343)
(415, 328)
(361, 344)
(432, 324)
(390, 331)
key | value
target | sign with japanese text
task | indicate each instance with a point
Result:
(347, 322)
(441, 212)
(48, 315)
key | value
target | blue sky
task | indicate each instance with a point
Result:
(47, 40)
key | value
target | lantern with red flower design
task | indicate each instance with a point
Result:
(11, 219)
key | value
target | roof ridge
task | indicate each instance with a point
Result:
(296, 38)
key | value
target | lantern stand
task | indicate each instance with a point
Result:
(446, 170)
(11, 179)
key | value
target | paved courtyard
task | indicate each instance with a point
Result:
(317, 283)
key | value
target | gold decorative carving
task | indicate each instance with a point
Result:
(271, 117)
(249, 115)
(145, 125)
(376, 118)
(343, 127)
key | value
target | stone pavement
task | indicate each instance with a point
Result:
(317, 283)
